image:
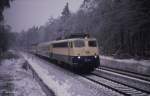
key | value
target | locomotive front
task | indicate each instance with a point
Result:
(85, 53)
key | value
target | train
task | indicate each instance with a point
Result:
(78, 52)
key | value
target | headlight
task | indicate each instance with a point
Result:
(95, 56)
(79, 57)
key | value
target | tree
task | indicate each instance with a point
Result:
(3, 32)
(66, 12)
(3, 4)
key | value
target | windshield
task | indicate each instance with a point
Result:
(79, 43)
(92, 44)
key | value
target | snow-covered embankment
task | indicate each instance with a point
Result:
(36, 75)
(47, 82)
(15, 80)
(130, 65)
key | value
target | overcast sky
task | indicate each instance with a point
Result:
(24, 14)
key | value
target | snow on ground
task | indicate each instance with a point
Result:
(133, 61)
(23, 82)
(63, 82)
(131, 65)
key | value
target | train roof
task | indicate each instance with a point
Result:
(64, 40)
(77, 35)
(72, 39)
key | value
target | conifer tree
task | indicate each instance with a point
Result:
(66, 12)
(3, 33)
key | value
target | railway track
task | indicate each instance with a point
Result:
(136, 81)
(115, 86)
(131, 74)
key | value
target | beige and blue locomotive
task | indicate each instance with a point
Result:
(78, 53)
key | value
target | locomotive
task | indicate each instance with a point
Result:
(80, 52)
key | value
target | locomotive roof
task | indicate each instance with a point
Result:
(72, 39)
(64, 40)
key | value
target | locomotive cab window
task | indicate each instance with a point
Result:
(79, 43)
(92, 43)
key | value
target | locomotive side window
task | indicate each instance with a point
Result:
(92, 44)
(79, 43)
(62, 44)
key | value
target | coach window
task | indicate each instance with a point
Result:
(92, 44)
(79, 43)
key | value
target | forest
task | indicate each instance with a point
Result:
(5, 30)
(122, 27)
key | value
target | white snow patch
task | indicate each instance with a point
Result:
(24, 84)
(58, 88)
(27, 87)
(8, 62)
(133, 61)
